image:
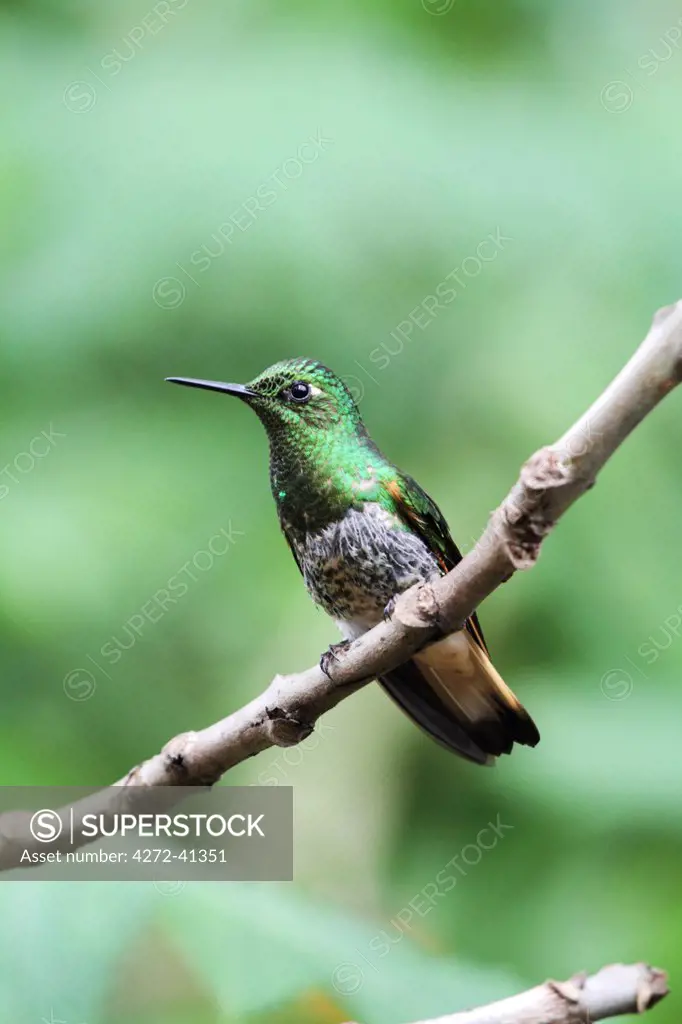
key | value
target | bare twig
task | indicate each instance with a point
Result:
(549, 483)
(614, 990)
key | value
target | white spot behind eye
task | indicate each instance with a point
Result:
(315, 391)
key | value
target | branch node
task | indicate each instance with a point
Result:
(569, 990)
(662, 314)
(418, 608)
(524, 519)
(176, 754)
(284, 729)
(659, 320)
(543, 470)
(653, 989)
(524, 537)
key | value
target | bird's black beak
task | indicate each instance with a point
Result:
(214, 385)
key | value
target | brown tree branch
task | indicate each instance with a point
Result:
(549, 483)
(614, 990)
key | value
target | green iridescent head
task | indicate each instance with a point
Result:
(321, 456)
(295, 398)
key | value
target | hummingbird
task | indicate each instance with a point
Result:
(362, 532)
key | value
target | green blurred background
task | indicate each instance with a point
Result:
(132, 133)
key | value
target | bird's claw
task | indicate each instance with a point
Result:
(332, 654)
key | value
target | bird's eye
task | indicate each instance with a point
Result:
(300, 391)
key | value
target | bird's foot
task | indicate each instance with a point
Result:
(390, 608)
(332, 654)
